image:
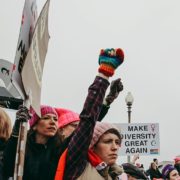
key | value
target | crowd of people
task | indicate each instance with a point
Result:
(65, 145)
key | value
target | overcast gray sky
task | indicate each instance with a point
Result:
(148, 32)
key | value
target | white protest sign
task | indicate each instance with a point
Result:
(139, 138)
(29, 18)
(34, 64)
(6, 69)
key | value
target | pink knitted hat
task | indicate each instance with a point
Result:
(44, 110)
(99, 130)
(176, 159)
(66, 117)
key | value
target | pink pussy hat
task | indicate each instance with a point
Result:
(176, 159)
(44, 110)
(66, 117)
(99, 130)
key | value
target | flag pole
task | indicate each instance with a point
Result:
(21, 145)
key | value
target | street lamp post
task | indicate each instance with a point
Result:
(129, 101)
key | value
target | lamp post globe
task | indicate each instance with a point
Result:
(129, 101)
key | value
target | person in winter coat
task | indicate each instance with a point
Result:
(93, 155)
(42, 148)
(5, 131)
(156, 161)
(153, 171)
(69, 120)
(169, 172)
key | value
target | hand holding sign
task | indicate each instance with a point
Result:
(22, 115)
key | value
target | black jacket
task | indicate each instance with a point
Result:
(40, 160)
(154, 173)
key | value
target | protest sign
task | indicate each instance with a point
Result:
(34, 64)
(139, 138)
(5, 71)
(31, 72)
(9, 96)
(29, 18)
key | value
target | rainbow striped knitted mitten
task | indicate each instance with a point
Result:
(109, 60)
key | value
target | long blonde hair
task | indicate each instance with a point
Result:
(5, 125)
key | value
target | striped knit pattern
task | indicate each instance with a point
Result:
(109, 60)
(106, 69)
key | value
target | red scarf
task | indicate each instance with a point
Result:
(93, 159)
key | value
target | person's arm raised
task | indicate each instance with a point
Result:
(76, 160)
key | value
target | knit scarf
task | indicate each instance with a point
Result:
(95, 161)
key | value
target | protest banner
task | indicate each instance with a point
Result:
(139, 138)
(34, 64)
(32, 78)
(29, 18)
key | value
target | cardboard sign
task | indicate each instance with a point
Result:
(34, 64)
(139, 138)
(29, 18)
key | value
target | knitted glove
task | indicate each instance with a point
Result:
(115, 88)
(109, 60)
(22, 115)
